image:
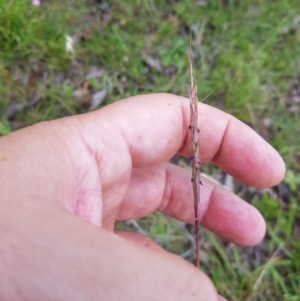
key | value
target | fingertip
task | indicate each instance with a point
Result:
(271, 168)
(257, 228)
(234, 219)
(279, 170)
(246, 156)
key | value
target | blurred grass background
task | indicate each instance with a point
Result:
(246, 54)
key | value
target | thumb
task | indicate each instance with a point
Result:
(143, 270)
(55, 249)
(146, 242)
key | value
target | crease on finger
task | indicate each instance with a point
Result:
(224, 135)
(140, 239)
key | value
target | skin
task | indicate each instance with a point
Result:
(64, 183)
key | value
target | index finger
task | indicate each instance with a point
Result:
(155, 127)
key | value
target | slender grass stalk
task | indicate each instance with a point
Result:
(195, 159)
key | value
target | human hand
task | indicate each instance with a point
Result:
(64, 183)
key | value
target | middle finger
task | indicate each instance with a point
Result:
(168, 188)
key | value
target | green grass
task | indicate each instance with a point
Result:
(246, 53)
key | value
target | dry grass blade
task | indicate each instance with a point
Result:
(196, 164)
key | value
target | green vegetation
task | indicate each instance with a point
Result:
(246, 53)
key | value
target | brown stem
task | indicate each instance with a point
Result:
(196, 164)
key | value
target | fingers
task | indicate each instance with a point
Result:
(168, 188)
(152, 128)
(83, 262)
(97, 150)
